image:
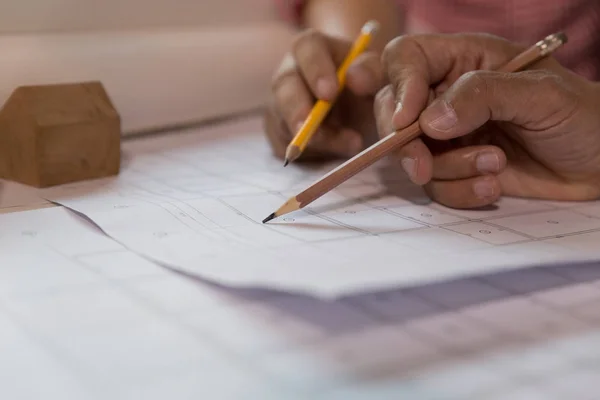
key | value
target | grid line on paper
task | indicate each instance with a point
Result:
(202, 214)
(239, 212)
(320, 216)
(544, 207)
(543, 238)
(525, 239)
(489, 219)
(363, 231)
(186, 214)
(577, 209)
(177, 217)
(525, 236)
(464, 218)
(159, 203)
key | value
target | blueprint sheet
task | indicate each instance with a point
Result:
(194, 201)
(83, 318)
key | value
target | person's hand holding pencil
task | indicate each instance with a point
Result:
(534, 133)
(322, 97)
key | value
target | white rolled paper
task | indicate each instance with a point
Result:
(156, 77)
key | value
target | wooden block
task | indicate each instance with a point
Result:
(60, 133)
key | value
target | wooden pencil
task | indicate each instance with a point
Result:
(399, 138)
(322, 107)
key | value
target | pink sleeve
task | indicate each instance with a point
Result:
(290, 10)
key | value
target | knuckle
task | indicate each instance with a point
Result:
(380, 96)
(279, 81)
(477, 82)
(403, 44)
(553, 85)
(289, 101)
(392, 48)
(403, 60)
(559, 93)
(286, 69)
(305, 39)
(286, 96)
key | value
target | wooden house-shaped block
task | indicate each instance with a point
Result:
(59, 133)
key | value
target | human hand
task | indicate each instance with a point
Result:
(531, 134)
(307, 73)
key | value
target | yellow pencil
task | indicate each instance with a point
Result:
(322, 107)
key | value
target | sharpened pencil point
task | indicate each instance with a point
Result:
(270, 217)
(286, 162)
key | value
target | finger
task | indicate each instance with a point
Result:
(416, 160)
(535, 100)
(365, 76)
(316, 64)
(465, 193)
(293, 100)
(414, 157)
(383, 108)
(468, 162)
(332, 142)
(415, 63)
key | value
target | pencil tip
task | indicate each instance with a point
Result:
(270, 217)
(285, 164)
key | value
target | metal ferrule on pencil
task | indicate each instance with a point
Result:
(551, 43)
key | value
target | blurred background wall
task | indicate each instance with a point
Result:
(163, 62)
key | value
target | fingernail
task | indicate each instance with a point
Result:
(398, 107)
(487, 162)
(326, 88)
(483, 189)
(409, 166)
(386, 97)
(441, 115)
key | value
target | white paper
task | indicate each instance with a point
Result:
(82, 317)
(194, 201)
(15, 196)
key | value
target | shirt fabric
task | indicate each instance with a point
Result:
(521, 21)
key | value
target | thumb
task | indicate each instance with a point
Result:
(365, 76)
(534, 100)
